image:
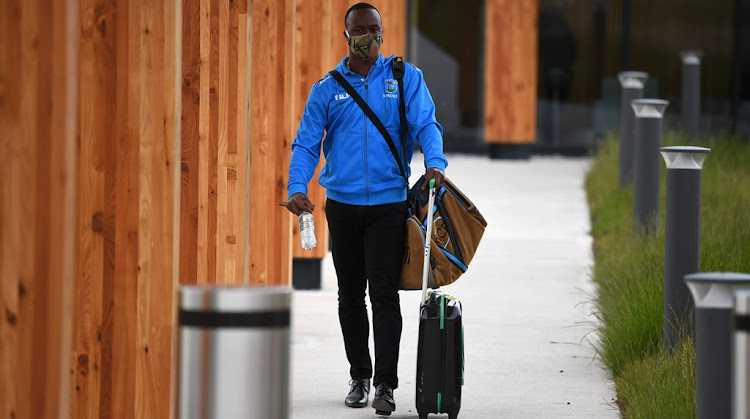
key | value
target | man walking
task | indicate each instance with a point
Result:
(366, 193)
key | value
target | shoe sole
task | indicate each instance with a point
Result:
(382, 413)
(382, 407)
(356, 405)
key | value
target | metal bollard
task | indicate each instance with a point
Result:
(741, 381)
(714, 302)
(648, 123)
(631, 88)
(691, 92)
(234, 352)
(682, 236)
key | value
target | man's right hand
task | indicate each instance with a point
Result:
(298, 203)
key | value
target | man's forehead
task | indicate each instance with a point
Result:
(364, 17)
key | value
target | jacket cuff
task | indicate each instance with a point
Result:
(437, 163)
(294, 188)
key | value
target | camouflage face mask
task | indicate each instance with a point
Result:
(360, 45)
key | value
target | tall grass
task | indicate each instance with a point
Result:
(629, 271)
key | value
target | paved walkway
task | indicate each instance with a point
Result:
(527, 306)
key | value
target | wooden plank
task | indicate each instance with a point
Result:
(222, 214)
(263, 114)
(202, 267)
(191, 95)
(60, 276)
(283, 219)
(96, 89)
(36, 241)
(233, 235)
(11, 255)
(213, 140)
(10, 228)
(29, 106)
(157, 250)
(243, 150)
(510, 72)
(126, 187)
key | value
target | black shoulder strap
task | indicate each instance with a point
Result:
(398, 73)
(374, 118)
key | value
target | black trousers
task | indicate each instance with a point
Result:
(368, 244)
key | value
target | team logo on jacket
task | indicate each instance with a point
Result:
(391, 86)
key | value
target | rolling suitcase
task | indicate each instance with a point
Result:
(440, 352)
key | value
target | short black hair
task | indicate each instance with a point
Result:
(360, 6)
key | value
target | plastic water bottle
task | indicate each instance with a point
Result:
(307, 231)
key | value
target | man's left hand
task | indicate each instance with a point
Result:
(433, 173)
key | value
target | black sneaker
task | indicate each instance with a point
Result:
(383, 402)
(358, 394)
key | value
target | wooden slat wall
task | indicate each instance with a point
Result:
(214, 142)
(325, 20)
(510, 71)
(128, 203)
(38, 88)
(271, 105)
(236, 146)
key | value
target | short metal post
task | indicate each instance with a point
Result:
(631, 88)
(648, 123)
(741, 366)
(681, 236)
(234, 352)
(714, 302)
(691, 92)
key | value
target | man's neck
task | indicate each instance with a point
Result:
(361, 67)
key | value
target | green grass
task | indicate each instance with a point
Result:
(629, 272)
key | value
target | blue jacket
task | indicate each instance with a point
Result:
(360, 168)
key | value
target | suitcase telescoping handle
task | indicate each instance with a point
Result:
(428, 241)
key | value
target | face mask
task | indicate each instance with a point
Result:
(360, 45)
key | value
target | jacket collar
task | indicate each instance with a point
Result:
(342, 68)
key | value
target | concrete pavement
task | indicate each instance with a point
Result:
(527, 306)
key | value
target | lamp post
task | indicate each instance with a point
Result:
(714, 303)
(681, 236)
(691, 92)
(648, 114)
(631, 88)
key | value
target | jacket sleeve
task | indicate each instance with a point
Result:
(420, 118)
(306, 146)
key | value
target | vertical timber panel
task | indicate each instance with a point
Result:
(98, 84)
(190, 138)
(128, 222)
(270, 102)
(510, 71)
(38, 89)
(214, 141)
(159, 110)
(287, 76)
(243, 137)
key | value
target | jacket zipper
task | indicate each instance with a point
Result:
(367, 178)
